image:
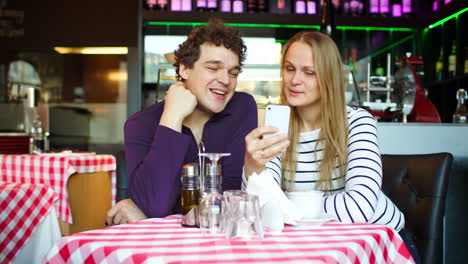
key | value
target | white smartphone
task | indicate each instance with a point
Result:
(277, 116)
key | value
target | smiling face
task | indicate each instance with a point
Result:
(300, 82)
(213, 77)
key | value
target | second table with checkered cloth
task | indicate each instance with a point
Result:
(54, 171)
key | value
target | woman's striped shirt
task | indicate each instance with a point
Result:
(357, 196)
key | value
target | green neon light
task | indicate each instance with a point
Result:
(442, 21)
(194, 24)
(375, 28)
(390, 46)
(272, 25)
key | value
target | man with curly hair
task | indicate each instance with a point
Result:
(201, 106)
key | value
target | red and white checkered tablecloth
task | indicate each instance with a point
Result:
(54, 171)
(22, 208)
(164, 240)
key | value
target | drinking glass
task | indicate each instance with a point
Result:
(243, 218)
(211, 211)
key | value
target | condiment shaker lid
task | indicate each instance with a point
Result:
(190, 169)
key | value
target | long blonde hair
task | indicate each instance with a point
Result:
(334, 121)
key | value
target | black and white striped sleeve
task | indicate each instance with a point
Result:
(358, 202)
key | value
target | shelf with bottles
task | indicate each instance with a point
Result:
(446, 51)
(275, 19)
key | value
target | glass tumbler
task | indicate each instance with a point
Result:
(243, 218)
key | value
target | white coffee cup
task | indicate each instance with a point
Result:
(308, 202)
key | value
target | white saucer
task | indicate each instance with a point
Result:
(320, 220)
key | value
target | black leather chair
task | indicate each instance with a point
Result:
(417, 184)
(122, 179)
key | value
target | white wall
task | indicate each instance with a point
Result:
(418, 138)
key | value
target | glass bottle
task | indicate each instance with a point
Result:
(161, 5)
(251, 6)
(465, 70)
(397, 8)
(300, 7)
(238, 6)
(211, 215)
(190, 195)
(212, 5)
(373, 7)
(226, 6)
(201, 5)
(461, 114)
(384, 7)
(311, 7)
(262, 6)
(439, 67)
(37, 137)
(452, 60)
(407, 8)
(327, 21)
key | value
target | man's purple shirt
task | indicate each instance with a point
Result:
(155, 154)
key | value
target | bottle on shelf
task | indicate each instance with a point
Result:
(149, 4)
(397, 8)
(238, 6)
(452, 60)
(161, 5)
(435, 5)
(200, 5)
(407, 8)
(280, 6)
(251, 6)
(190, 195)
(384, 7)
(461, 113)
(262, 6)
(186, 5)
(439, 65)
(373, 8)
(465, 70)
(225, 6)
(311, 7)
(212, 5)
(211, 220)
(176, 5)
(300, 7)
(327, 21)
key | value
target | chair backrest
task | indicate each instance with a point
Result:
(122, 179)
(417, 184)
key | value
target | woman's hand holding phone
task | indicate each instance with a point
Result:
(267, 142)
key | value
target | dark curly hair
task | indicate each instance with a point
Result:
(215, 33)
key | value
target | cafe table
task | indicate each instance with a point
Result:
(164, 240)
(84, 182)
(28, 222)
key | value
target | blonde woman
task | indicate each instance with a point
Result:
(331, 147)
